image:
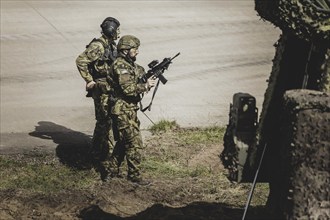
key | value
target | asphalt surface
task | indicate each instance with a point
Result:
(225, 48)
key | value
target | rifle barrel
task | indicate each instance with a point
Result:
(175, 56)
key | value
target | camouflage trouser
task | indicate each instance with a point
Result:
(103, 141)
(129, 143)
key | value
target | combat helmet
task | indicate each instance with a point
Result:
(127, 42)
(109, 27)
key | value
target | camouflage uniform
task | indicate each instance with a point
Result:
(93, 65)
(123, 77)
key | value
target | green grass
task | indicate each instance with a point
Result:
(172, 147)
(165, 158)
(171, 169)
(206, 135)
(41, 177)
(163, 126)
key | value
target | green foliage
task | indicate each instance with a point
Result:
(41, 177)
(189, 136)
(200, 171)
(158, 168)
(173, 147)
(202, 136)
(171, 150)
(172, 169)
(174, 156)
(163, 126)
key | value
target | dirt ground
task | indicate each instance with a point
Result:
(168, 197)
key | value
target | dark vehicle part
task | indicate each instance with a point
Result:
(248, 202)
(240, 134)
(306, 19)
(305, 155)
(302, 60)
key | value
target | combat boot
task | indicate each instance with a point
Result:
(139, 181)
(109, 173)
(107, 178)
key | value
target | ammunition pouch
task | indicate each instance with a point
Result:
(101, 87)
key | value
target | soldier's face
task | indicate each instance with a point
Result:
(133, 52)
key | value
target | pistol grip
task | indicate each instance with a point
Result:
(162, 79)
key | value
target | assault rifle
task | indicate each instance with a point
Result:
(157, 69)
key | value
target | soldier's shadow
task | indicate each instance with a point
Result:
(73, 147)
(192, 211)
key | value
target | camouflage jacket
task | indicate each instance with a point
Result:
(98, 56)
(123, 78)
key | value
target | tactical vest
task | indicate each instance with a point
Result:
(109, 56)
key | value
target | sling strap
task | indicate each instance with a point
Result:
(153, 96)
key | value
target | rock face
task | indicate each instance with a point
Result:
(305, 155)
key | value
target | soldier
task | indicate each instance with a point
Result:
(123, 77)
(93, 65)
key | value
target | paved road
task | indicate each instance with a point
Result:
(225, 48)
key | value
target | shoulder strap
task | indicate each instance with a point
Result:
(91, 67)
(96, 40)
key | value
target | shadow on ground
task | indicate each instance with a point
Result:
(193, 211)
(73, 147)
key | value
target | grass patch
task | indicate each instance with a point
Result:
(157, 168)
(171, 147)
(171, 157)
(202, 136)
(41, 176)
(163, 126)
(189, 136)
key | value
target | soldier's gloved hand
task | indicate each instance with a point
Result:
(151, 82)
(90, 85)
